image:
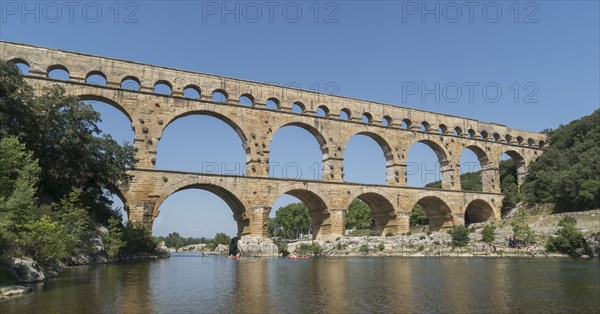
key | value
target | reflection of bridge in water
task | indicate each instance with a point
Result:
(332, 120)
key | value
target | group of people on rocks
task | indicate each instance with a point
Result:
(512, 241)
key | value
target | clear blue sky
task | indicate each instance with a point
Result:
(375, 50)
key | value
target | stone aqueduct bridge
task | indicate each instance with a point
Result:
(251, 196)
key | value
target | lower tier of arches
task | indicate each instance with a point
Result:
(251, 199)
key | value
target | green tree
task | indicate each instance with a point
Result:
(19, 176)
(568, 172)
(359, 216)
(460, 235)
(521, 230)
(71, 214)
(418, 216)
(62, 134)
(221, 238)
(113, 239)
(568, 239)
(290, 221)
(488, 233)
(43, 240)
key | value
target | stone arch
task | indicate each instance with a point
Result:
(480, 153)
(89, 96)
(194, 89)
(131, 83)
(367, 118)
(216, 93)
(438, 213)
(235, 126)
(98, 73)
(118, 192)
(489, 177)
(246, 99)
(317, 209)
(347, 112)
(478, 211)
(160, 84)
(382, 210)
(237, 205)
(386, 149)
(484, 135)
(439, 151)
(406, 123)
(59, 67)
(519, 161)
(22, 62)
(298, 107)
(442, 129)
(386, 120)
(311, 129)
(324, 110)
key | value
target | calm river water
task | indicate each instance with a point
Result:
(186, 283)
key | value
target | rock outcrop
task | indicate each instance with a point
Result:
(257, 247)
(11, 291)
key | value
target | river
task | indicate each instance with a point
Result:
(190, 283)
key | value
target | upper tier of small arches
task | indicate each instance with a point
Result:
(329, 107)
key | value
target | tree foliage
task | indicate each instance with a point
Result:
(55, 166)
(221, 238)
(62, 134)
(290, 221)
(460, 235)
(568, 172)
(521, 229)
(359, 216)
(568, 239)
(418, 216)
(488, 233)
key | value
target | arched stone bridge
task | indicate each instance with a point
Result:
(332, 120)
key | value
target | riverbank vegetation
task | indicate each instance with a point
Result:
(56, 173)
(176, 241)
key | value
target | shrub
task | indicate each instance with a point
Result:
(339, 246)
(138, 240)
(389, 234)
(422, 237)
(381, 246)
(568, 239)
(113, 239)
(6, 242)
(488, 233)
(460, 235)
(282, 247)
(44, 240)
(520, 228)
(313, 248)
(364, 232)
(364, 248)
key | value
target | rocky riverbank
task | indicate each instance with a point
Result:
(27, 270)
(420, 242)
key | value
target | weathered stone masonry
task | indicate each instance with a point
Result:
(250, 197)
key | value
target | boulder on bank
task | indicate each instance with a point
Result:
(11, 291)
(193, 248)
(257, 247)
